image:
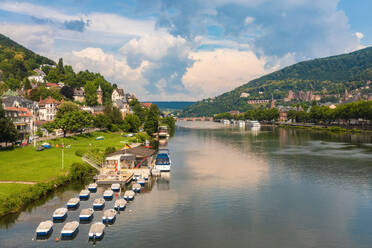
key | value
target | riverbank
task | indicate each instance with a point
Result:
(318, 127)
(45, 167)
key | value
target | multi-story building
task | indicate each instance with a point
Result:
(79, 95)
(48, 109)
(22, 119)
(117, 94)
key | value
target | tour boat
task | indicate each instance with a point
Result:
(163, 132)
(254, 124)
(141, 181)
(44, 228)
(70, 229)
(163, 161)
(226, 122)
(129, 195)
(60, 214)
(108, 194)
(98, 203)
(241, 123)
(96, 230)
(120, 204)
(136, 176)
(86, 214)
(136, 187)
(84, 194)
(109, 216)
(73, 203)
(115, 187)
(92, 187)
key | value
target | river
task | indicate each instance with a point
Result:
(234, 187)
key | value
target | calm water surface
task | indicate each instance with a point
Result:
(234, 187)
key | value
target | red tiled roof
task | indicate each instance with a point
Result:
(23, 112)
(52, 85)
(147, 104)
(48, 101)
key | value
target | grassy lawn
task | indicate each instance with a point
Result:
(15, 188)
(26, 164)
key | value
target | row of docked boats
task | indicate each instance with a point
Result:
(97, 229)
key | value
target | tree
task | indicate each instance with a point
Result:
(53, 76)
(66, 107)
(152, 120)
(67, 92)
(131, 123)
(90, 93)
(60, 68)
(171, 123)
(8, 132)
(102, 121)
(73, 121)
(139, 110)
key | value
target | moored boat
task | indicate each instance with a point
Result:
(141, 181)
(92, 187)
(254, 124)
(129, 195)
(44, 228)
(73, 203)
(136, 187)
(98, 203)
(60, 214)
(86, 214)
(108, 194)
(115, 187)
(120, 204)
(109, 216)
(136, 176)
(70, 229)
(84, 194)
(163, 161)
(96, 230)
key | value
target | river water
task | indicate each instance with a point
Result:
(234, 187)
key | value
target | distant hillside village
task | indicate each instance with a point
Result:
(29, 116)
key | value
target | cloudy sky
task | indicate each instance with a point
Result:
(186, 49)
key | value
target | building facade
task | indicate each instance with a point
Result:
(48, 109)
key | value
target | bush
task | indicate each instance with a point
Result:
(79, 171)
(109, 150)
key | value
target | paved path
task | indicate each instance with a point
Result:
(20, 182)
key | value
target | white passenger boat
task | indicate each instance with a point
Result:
(44, 228)
(73, 203)
(109, 216)
(129, 195)
(254, 124)
(92, 187)
(60, 214)
(84, 194)
(108, 194)
(163, 161)
(120, 204)
(241, 123)
(115, 187)
(226, 122)
(98, 203)
(96, 230)
(70, 229)
(86, 214)
(136, 187)
(141, 181)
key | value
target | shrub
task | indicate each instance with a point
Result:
(79, 171)
(80, 152)
(109, 150)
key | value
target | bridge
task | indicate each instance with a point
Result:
(195, 119)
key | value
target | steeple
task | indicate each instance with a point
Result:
(99, 95)
(99, 88)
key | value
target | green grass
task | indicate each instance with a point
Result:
(12, 188)
(26, 164)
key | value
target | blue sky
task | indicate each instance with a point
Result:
(186, 49)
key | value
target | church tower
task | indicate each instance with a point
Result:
(99, 95)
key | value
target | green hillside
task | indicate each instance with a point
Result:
(16, 61)
(326, 76)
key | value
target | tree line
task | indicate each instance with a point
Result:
(260, 114)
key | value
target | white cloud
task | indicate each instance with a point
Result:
(359, 35)
(215, 72)
(36, 10)
(248, 20)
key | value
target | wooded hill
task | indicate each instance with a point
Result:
(331, 75)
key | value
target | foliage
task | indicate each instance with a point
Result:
(152, 120)
(131, 123)
(102, 121)
(67, 91)
(109, 150)
(73, 121)
(140, 111)
(79, 171)
(42, 92)
(90, 93)
(171, 123)
(8, 132)
(222, 116)
(66, 107)
(39, 132)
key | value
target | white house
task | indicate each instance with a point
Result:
(117, 94)
(48, 109)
